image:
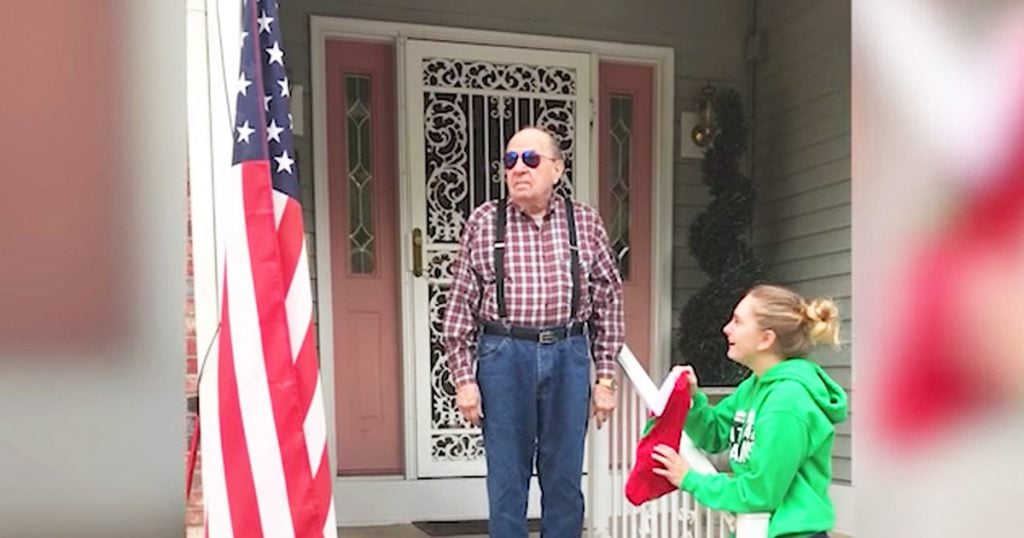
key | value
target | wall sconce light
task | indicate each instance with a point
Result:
(704, 131)
(694, 140)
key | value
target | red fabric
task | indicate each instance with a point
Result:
(643, 485)
(931, 383)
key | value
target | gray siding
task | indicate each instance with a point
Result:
(708, 38)
(801, 137)
(690, 198)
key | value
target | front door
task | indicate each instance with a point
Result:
(463, 102)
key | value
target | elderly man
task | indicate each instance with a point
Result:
(536, 294)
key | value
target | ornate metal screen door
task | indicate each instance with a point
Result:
(463, 102)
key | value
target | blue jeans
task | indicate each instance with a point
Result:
(536, 403)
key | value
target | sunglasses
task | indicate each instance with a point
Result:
(530, 158)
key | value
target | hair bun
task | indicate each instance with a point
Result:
(823, 315)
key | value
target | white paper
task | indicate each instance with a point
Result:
(694, 457)
(655, 398)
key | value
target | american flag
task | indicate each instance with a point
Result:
(265, 465)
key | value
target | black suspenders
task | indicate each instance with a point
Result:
(574, 253)
(499, 257)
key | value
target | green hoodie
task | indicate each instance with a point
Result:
(779, 430)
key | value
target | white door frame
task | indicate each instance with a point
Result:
(584, 189)
(324, 28)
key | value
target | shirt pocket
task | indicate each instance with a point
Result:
(482, 262)
(563, 276)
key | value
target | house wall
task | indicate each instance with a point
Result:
(801, 164)
(708, 39)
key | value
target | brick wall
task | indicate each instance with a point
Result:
(194, 507)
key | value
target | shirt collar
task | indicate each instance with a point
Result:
(553, 203)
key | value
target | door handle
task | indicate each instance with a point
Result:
(417, 252)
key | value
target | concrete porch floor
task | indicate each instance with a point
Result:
(409, 531)
(396, 531)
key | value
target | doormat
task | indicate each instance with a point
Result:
(460, 528)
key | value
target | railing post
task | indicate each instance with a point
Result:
(599, 491)
(752, 525)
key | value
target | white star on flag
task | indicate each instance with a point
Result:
(243, 84)
(265, 21)
(285, 92)
(266, 102)
(244, 132)
(284, 162)
(276, 54)
(274, 132)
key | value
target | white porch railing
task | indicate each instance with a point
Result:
(611, 458)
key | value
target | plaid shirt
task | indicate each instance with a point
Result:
(538, 282)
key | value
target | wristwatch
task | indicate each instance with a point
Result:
(608, 382)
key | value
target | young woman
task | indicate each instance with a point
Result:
(778, 426)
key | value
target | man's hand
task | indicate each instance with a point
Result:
(467, 398)
(602, 403)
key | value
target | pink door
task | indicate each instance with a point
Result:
(625, 131)
(362, 200)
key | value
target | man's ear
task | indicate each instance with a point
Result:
(767, 340)
(560, 168)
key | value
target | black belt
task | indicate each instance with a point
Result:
(547, 335)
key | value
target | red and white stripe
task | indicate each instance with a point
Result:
(265, 464)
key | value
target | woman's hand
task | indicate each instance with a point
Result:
(675, 467)
(691, 376)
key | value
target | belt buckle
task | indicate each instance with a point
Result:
(547, 337)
